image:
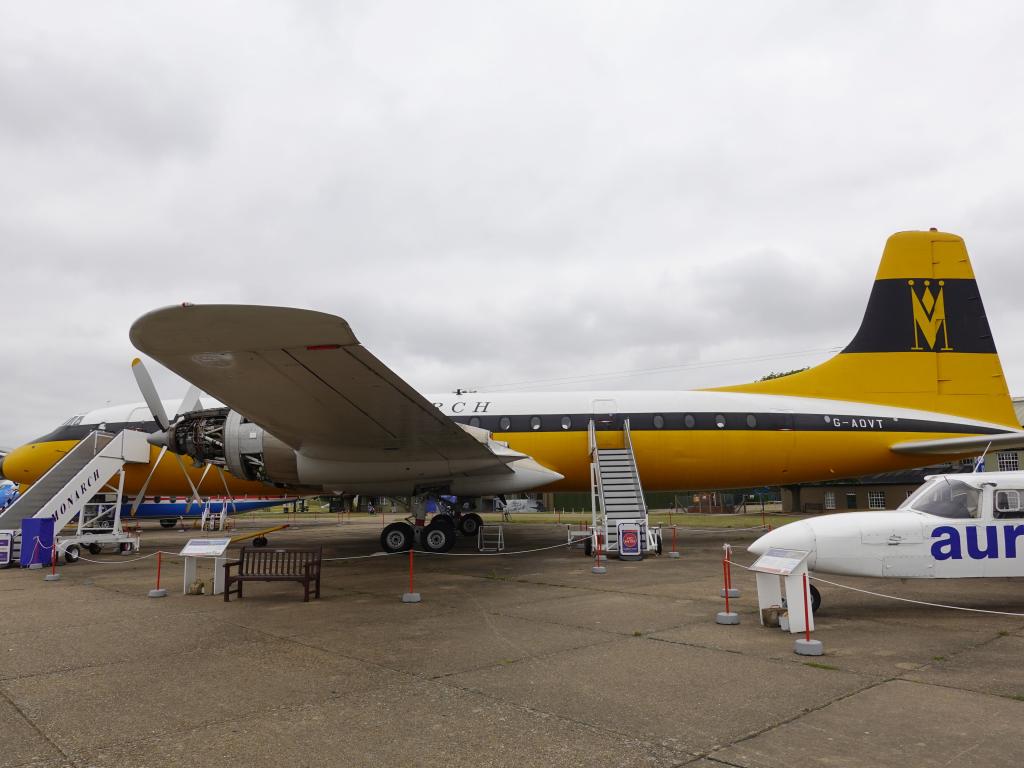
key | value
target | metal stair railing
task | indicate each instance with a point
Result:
(54, 479)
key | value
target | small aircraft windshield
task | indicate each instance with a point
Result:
(944, 497)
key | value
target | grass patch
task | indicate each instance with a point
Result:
(938, 658)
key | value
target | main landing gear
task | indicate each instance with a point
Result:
(437, 536)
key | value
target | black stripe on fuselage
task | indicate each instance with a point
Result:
(639, 422)
(709, 422)
(949, 317)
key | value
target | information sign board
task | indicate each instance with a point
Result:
(205, 547)
(780, 561)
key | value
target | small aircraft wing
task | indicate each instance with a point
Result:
(305, 378)
(1006, 441)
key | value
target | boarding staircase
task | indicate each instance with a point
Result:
(67, 490)
(616, 494)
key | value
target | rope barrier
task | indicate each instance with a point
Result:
(917, 602)
(902, 599)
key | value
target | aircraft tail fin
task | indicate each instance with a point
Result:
(924, 342)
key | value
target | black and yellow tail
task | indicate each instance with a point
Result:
(924, 342)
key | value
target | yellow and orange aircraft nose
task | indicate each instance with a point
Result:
(27, 463)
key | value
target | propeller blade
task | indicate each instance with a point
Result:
(142, 491)
(190, 402)
(149, 394)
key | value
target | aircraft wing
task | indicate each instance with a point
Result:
(305, 378)
(1006, 441)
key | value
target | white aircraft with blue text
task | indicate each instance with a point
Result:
(954, 526)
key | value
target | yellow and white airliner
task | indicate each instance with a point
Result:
(302, 405)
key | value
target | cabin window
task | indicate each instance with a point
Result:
(474, 421)
(851, 500)
(505, 423)
(830, 499)
(689, 421)
(535, 423)
(659, 421)
(720, 421)
(876, 499)
(751, 420)
(1009, 504)
(1009, 461)
(945, 497)
(566, 422)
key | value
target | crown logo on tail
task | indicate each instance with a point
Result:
(929, 316)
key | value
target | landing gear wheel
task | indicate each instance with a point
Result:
(168, 523)
(439, 536)
(72, 553)
(588, 547)
(815, 598)
(470, 524)
(396, 537)
(95, 548)
(259, 541)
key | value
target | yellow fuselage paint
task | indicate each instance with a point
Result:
(681, 460)
(29, 462)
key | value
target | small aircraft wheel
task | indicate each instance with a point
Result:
(439, 536)
(470, 524)
(72, 553)
(259, 541)
(588, 547)
(396, 537)
(168, 523)
(815, 599)
(95, 548)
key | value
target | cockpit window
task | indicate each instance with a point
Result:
(74, 421)
(944, 497)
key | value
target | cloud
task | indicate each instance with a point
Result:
(494, 193)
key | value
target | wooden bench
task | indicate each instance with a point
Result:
(259, 564)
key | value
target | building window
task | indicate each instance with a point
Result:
(566, 422)
(535, 423)
(851, 501)
(968, 462)
(751, 420)
(830, 499)
(689, 421)
(659, 421)
(876, 499)
(1009, 461)
(505, 423)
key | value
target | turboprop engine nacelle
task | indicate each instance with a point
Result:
(226, 438)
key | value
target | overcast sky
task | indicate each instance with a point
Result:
(495, 192)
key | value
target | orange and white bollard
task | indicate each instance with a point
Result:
(674, 553)
(728, 616)
(412, 596)
(53, 575)
(805, 646)
(158, 591)
(727, 588)
(598, 568)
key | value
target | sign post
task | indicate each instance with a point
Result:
(781, 570)
(195, 549)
